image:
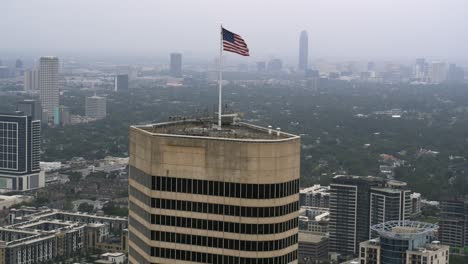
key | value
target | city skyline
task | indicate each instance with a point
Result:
(371, 29)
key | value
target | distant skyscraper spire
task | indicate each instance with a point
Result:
(303, 51)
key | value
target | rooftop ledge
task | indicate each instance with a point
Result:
(205, 129)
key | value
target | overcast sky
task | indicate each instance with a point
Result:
(346, 28)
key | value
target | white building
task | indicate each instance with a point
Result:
(96, 107)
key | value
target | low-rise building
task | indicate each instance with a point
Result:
(41, 235)
(312, 247)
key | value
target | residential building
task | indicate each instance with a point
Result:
(392, 202)
(176, 65)
(357, 202)
(315, 196)
(121, 83)
(96, 107)
(199, 194)
(20, 142)
(46, 235)
(314, 219)
(453, 222)
(49, 86)
(415, 203)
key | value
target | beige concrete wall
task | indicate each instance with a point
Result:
(216, 160)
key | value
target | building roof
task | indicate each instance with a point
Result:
(206, 129)
(309, 237)
(404, 229)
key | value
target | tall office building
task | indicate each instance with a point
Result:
(31, 80)
(357, 202)
(202, 195)
(176, 65)
(20, 141)
(49, 86)
(31, 108)
(96, 107)
(121, 82)
(303, 51)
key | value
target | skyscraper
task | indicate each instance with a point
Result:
(20, 152)
(121, 82)
(48, 85)
(176, 65)
(203, 195)
(357, 202)
(303, 51)
(96, 107)
(31, 80)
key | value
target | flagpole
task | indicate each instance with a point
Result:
(220, 82)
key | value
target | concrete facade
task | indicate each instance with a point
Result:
(226, 184)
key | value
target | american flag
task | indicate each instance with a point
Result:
(234, 43)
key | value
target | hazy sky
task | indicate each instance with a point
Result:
(346, 28)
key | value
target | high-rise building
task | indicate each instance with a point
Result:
(453, 222)
(96, 107)
(202, 195)
(31, 80)
(20, 152)
(437, 72)
(357, 202)
(176, 65)
(49, 85)
(389, 203)
(403, 242)
(121, 82)
(31, 108)
(303, 51)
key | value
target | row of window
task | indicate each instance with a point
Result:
(219, 259)
(213, 208)
(226, 189)
(215, 188)
(222, 226)
(218, 242)
(221, 209)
